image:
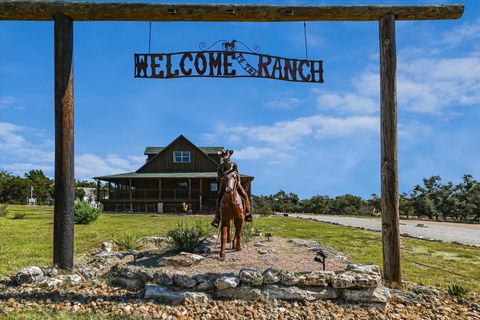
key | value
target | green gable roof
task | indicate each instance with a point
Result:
(158, 175)
(207, 150)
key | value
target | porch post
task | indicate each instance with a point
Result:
(159, 189)
(189, 191)
(98, 193)
(64, 160)
(200, 195)
(388, 138)
(130, 194)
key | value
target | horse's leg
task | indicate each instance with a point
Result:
(238, 234)
(223, 230)
(229, 237)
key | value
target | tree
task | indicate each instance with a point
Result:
(316, 204)
(13, 189)
(347, 204)
(284, 202)
(42, 185)
(261, 205)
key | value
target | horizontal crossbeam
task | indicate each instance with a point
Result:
(137, 11)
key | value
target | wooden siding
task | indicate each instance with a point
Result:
(163, 162)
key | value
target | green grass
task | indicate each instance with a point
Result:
(29, 241)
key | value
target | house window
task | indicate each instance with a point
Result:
(213, 186)
(183, 185)
(181, 156)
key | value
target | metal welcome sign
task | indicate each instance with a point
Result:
(226, 63)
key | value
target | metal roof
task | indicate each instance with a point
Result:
(207, 150)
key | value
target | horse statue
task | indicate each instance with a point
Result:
(229, 46)
(232, 207)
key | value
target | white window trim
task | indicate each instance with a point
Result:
(182, 155)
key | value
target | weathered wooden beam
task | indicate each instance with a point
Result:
(138, 11)
(389, 161)
(64, 173)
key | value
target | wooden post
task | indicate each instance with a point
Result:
(64, 162)
(388, 137)
(200, 195)
(130, 194)
(99, 196)
(159, 189)
(189, 191)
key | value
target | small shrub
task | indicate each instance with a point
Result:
(19, 215)
(188, 238)
(85, 212)
(128, 240)
(456, 289)
(249, 231)
(3, 210)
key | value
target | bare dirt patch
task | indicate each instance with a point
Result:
(259, 254)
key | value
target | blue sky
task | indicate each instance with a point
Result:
(299, 137)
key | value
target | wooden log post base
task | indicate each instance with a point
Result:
(388, 137)
(64, 164)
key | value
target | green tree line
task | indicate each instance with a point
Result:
(431, 199)
(16, 190)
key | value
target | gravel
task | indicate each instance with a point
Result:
(468, 234)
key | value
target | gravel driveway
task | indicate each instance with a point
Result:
(468, 234)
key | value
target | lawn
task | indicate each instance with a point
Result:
(29, 241)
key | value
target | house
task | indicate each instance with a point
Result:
(178, 173)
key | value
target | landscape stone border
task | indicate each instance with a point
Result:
(359, 283)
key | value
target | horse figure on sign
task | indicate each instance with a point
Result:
(232, 207)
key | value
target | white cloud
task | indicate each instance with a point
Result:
(466, 32)
(346, 103)
(285, 103)
(24, 149)
(9, 102)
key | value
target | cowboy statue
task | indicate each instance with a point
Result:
(225, 167)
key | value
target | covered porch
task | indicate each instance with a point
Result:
(161, 192)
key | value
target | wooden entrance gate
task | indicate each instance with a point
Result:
(65, 13)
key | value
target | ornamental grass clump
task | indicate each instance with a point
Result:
(249, 231)
(456, 289)
(84, 212)
(189, 238)
(128, 240)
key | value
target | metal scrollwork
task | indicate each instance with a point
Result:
(229, 46)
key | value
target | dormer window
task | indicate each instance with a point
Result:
(181, 156)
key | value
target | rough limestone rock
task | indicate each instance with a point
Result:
(51, 282)
(102, 256)
(197, 297)
(184, 281)
(184, 259)
(29, 275)
(242, 293)
(322, 293)
(72, 279)
(49, 271)
(288, 278)
(316, 278)
(343, 280)
(310, 244)
(128, 283)
(107, 246)
(365, 276)
(271, 276)
(226, 281)
(86, 271)
(164, 294)
(376, 295)
(146, 274)
(289, 293)
(251, 277)
(204, 281)
(163, 277)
